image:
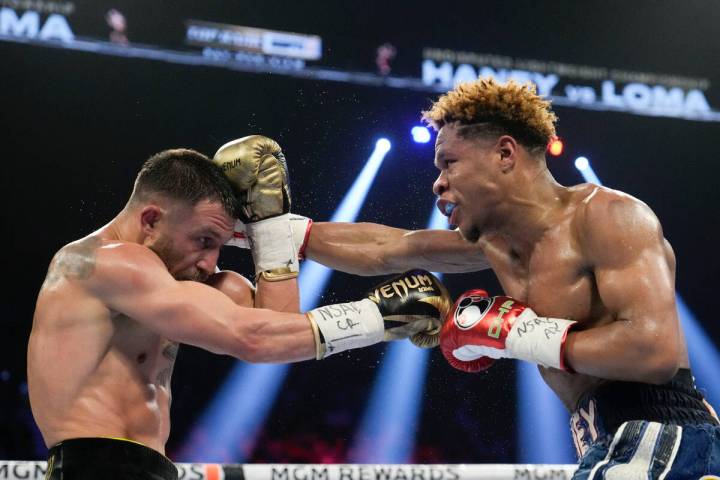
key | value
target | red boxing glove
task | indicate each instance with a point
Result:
(467, 308)
(502, 327)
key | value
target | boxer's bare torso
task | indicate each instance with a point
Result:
(557, 280)
(554, 274)
(93, 372)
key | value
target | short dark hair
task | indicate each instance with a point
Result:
(186, 175)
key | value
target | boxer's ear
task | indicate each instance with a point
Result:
(150, 215)
(507, 147)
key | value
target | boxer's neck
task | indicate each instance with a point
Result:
(534, 205)
(125, 227)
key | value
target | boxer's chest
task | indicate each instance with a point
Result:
(553, 279)
(150, 354)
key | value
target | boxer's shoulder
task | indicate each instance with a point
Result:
(597, 203)
(606, 218)
(74, 261)
(126, 265)
(237, 287)
(93, 259)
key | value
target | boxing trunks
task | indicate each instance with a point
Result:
(636, 430)
(107, 459)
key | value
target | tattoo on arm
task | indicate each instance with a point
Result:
(76, 261)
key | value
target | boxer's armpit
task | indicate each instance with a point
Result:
(76, 261)
(171, 350)
(163, 378)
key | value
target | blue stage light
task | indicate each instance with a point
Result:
(542, 420)
(387, 431)
(313, 276)
(383, 146)
(226, 432)
(420, 134)
(703, 353)
(582, 163)
(228, 429)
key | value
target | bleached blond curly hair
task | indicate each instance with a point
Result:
(490, 107)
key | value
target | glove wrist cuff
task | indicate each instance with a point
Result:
(276, 275)
(345, 326)
(273, 247)
(299, 225)
(539, 340)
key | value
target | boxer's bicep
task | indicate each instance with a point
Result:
(634, 279)
(635, 285)
(136, 284)
(642, 290)
(193, 313)
(197, 314)
(237, 287)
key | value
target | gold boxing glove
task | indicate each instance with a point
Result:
(413, 305)
(256, 167)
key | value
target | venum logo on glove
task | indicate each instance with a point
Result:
(403, 286)
(472, 309)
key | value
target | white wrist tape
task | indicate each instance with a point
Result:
(538, 339)
(272, 245)
(299, 225)
(347, 325)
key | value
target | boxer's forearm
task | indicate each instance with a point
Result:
(624, 350)
(276, 337)
(373, 249)
(358, 248)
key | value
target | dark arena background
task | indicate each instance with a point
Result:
(91, 89)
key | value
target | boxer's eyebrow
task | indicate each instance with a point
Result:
(209, 231)
(439, 158)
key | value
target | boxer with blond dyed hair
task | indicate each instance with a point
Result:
(588, 281)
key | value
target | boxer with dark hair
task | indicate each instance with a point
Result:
(588, 277)
(116, 304)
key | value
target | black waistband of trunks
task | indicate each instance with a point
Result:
(108, 458)
(677, 402)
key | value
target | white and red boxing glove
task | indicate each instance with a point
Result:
(299, 225)
(481, 328)
(466, 307)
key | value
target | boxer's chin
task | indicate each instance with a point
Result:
(469, 233)
(171, 257)
(193, 274)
